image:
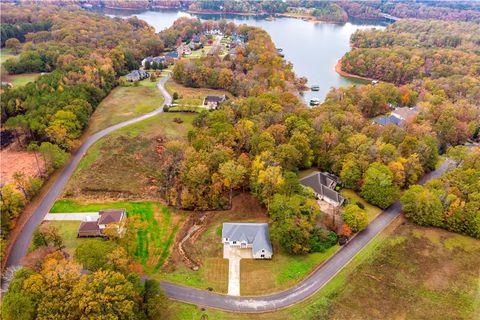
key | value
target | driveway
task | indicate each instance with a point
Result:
(77, 216)
(234, 255)
(305, 288)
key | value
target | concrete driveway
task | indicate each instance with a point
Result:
(234, 255)
(77, 216)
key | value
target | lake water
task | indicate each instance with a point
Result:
(312, 48)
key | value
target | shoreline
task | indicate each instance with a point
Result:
(338, 69)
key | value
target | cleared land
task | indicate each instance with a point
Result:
(124, 164)
(126, 102)
(154, 228)
(407, 272)
(256, 276)
(19, 161)
(191, 97)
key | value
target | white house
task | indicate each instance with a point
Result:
(248, 235)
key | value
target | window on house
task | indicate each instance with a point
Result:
(262, 256)
(234, 242)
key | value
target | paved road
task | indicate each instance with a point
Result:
(20, 246)
(307, 287)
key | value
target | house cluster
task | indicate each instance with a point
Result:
(323, 185)
(161, 61)
(254, 236)
(137, 75)
(107, 220)
(212, 102)
(397, 117)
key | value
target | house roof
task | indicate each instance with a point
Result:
(89, 227)
(405, 113)
(216, 99)
(110, 216)
(323, 183)
(137, 73)
(390, 119)
(255, 234)
(172, 54)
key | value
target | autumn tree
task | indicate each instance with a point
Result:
(378, 186)
(355, 217)
(233, 175)
(13, 44)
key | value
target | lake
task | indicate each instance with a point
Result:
(312, 48)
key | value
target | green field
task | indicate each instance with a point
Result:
(406, 272)
(123, 165)
(126, 102)
(154, 228)
(191, 97)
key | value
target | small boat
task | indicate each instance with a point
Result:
(281, 55)
(279, 49)
(315, 87)
(374, 81)
(314, 102)
(270, 18)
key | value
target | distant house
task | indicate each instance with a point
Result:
(158, 60)
(172, 56)
(212, 102)
(323, 185)
(184, 50)
(137, 75)
(248, 235)
(397, 117)
(196, 38)
(107, 218)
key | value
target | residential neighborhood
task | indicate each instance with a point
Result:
(239, 159)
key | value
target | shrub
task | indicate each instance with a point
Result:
(355, 217)
(175, 95)
(322, 239)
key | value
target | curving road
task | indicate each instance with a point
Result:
(283, 299)
(20, 247)
(305, 288)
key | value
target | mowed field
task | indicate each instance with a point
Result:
(126, 102)
(191, 97)
(123, 165)
(407, 272)
(154, 229)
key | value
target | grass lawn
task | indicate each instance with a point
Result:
(17, 80)
(191, 96)
(68, 231)
(406, 272)
(371, 210)
(126, 102)
(256, 276)
(154, 227)
(123, 165)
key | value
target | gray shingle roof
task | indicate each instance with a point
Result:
(383, 121)
(324, 184)
(254, 233)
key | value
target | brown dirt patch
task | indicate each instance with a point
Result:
(13, 160)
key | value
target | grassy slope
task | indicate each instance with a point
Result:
(123, 164)
(155, 230)
(414, 273)
(126, 102)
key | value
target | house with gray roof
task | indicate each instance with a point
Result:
(323, 185)
(248, 235)
(137, 75)
(397, 117)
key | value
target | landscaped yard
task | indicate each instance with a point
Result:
(406, 272)
(123, 165)
(256, 276)
(192, 97)
(154, 226)
(126, 102)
